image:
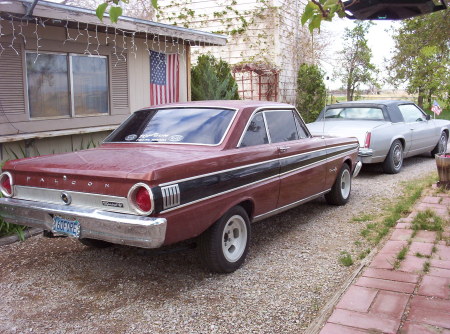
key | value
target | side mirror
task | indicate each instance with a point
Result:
(428, 117)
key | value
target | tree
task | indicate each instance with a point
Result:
(356, 67)
(311, 91)
(211, 79)
(318, 10)
(422, 57)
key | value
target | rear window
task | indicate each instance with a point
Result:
(375, 114)
(203, 126)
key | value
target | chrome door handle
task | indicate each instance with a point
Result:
(283, 149)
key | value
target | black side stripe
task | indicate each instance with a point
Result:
(196, 189)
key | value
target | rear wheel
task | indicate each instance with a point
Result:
(340, 192)
(441, 146)
(94, 243)
(394, 160)
(224, 246)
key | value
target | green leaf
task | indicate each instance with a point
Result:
(155, 4)
(114, 13)
(101, 10)
(315, 22)
(308, 13)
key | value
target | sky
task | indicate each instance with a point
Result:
(379, 41)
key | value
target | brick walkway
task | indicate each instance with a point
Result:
(411, 299)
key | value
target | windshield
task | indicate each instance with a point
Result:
(205, 126)
(364, 113)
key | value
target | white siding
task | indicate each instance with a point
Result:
(276, 37)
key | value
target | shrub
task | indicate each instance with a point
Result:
(211, 79)
(311, 92)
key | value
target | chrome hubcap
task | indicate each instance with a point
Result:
(442, 144)
(234, 238)
(398, 156)
(345, 184)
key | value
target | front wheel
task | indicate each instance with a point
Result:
(224, 246)
(340, 192)
(394, 160)
(441, 146)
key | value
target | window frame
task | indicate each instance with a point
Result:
(263, 110)
(72, 114)
(122, 125)
(414, 105)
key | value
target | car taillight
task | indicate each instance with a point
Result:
(367, 141)
(141, 199)
(6, 184)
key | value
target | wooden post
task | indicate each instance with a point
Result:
(188, 70)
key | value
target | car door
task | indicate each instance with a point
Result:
(422, 132)
(302, 157)
(255, 145)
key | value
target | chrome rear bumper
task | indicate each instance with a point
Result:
(113, 227)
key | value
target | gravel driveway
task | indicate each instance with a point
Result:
(61, 286)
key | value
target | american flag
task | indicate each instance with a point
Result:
(164, 78)
(436, 108)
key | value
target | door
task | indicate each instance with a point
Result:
(302, 158)
(423, 132)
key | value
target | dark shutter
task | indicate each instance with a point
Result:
(119, 84)
(12, 100)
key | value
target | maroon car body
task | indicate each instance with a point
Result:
(149, 189)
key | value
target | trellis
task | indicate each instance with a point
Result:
(256, 81)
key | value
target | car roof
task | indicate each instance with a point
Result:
(369, 103)
(237, 104)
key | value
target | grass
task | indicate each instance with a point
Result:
(377, 227)
(7, 229)
(375, 231)
(427, 220)
(346, 259)
(363, 218)
(401, 255)
(426, 267)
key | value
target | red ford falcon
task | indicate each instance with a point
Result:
(202, 170)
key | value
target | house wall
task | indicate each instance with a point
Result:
(274, 34)
(129, 85)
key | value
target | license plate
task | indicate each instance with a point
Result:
(66, 226)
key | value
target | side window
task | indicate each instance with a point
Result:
(411, 113)
(302, 133)
(281, 124)
(256, 133)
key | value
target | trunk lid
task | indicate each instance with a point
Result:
(343, 128)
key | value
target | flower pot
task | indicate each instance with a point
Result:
(443, 167)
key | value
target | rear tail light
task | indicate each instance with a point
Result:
(140, 198)
(6, 184)
(367, 141)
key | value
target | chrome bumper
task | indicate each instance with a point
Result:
(118, 228)
(357, 169)
(365, 152)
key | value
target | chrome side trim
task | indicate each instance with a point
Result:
(79, 199)
(287, 207)
(118, 228)
(250, 165)
(171, 196)
(219, 194)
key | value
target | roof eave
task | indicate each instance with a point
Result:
(57, 11)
